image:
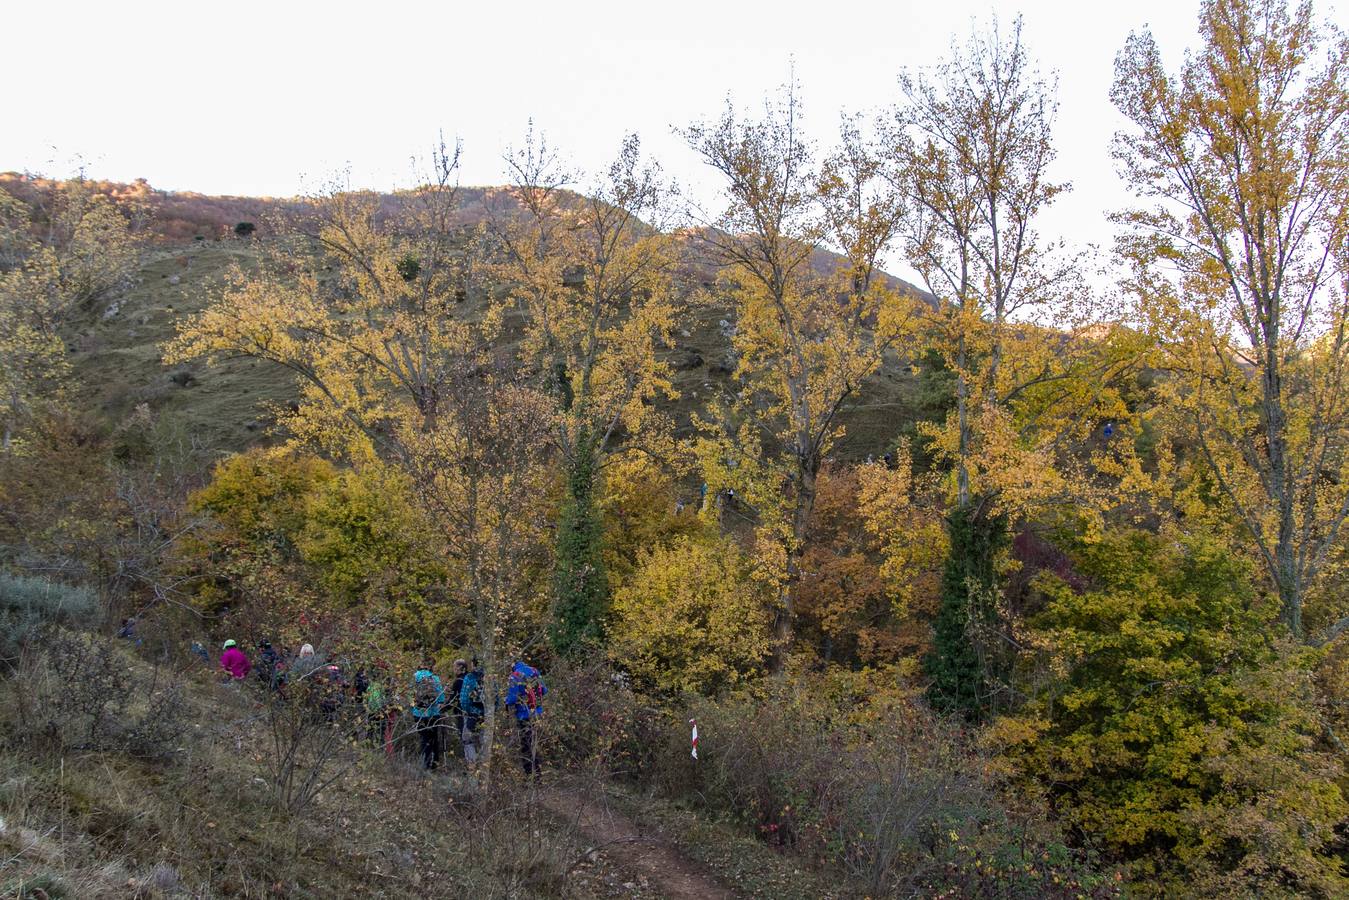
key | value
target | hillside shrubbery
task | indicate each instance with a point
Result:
(850, 770)
(27, 604)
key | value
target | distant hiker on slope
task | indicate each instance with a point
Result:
(428, 700)
(524, 695)
(235, 661)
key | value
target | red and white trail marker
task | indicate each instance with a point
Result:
(694, 723)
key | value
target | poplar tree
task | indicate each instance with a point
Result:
(1237, 258)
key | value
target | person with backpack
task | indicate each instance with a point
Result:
(378, 711)
(453, 707)
(330, 686)
(428, 701)
(235, 661)
(470, 704)
(269, 665)
(525, 691)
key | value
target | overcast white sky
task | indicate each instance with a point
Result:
(236, 97)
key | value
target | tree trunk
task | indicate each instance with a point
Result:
(784, 621)
(963, 424)
(1286, 576)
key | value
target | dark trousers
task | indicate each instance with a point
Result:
(428, 729)
(529, 747)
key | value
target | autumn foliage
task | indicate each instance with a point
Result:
(1066, 616)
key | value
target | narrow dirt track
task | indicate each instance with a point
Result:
(670, 872)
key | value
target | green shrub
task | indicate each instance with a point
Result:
(409, 267)
(964, 663)
(1175, 728)
(27, 604)
(581, 584)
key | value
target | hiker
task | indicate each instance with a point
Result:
(269, 665)
(455, 708)
(199, 650)
(378, 711)
(524, 694)
(331, 687)
(428, 700)
(305, 661)
(235, 661)
(470, 703)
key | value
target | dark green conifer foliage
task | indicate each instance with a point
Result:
(581, 584)
(963, 661)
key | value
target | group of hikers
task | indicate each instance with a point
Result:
(435, 710)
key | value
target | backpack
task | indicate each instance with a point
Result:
(426, 692)
(473, 687)
(374, 698)
(531, 693)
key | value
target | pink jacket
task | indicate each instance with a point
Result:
(235, 662)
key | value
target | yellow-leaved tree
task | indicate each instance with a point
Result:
(1238, 263)
(971, 145)
(394, 366)
(79, 249)
(805, 339)
(693, 619)
(593, 276)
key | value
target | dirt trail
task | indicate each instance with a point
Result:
(671, 873)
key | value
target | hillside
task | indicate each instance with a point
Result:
(116, 348)
(201, 818)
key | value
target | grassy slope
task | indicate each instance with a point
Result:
(203, 824)
(117, 360)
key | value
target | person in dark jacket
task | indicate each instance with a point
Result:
(331, 687)
(269, 665)
(428, 704)
(525, 691)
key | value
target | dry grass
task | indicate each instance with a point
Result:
(206, 824)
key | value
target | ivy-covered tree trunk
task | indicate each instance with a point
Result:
(581, 584)
(963, 661)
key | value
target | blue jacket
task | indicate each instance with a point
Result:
(468, 702)
(434, 710)
(518, 683)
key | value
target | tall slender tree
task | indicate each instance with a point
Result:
(593, 275)
(1238, 263)
(806, 340)
(971, 148)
